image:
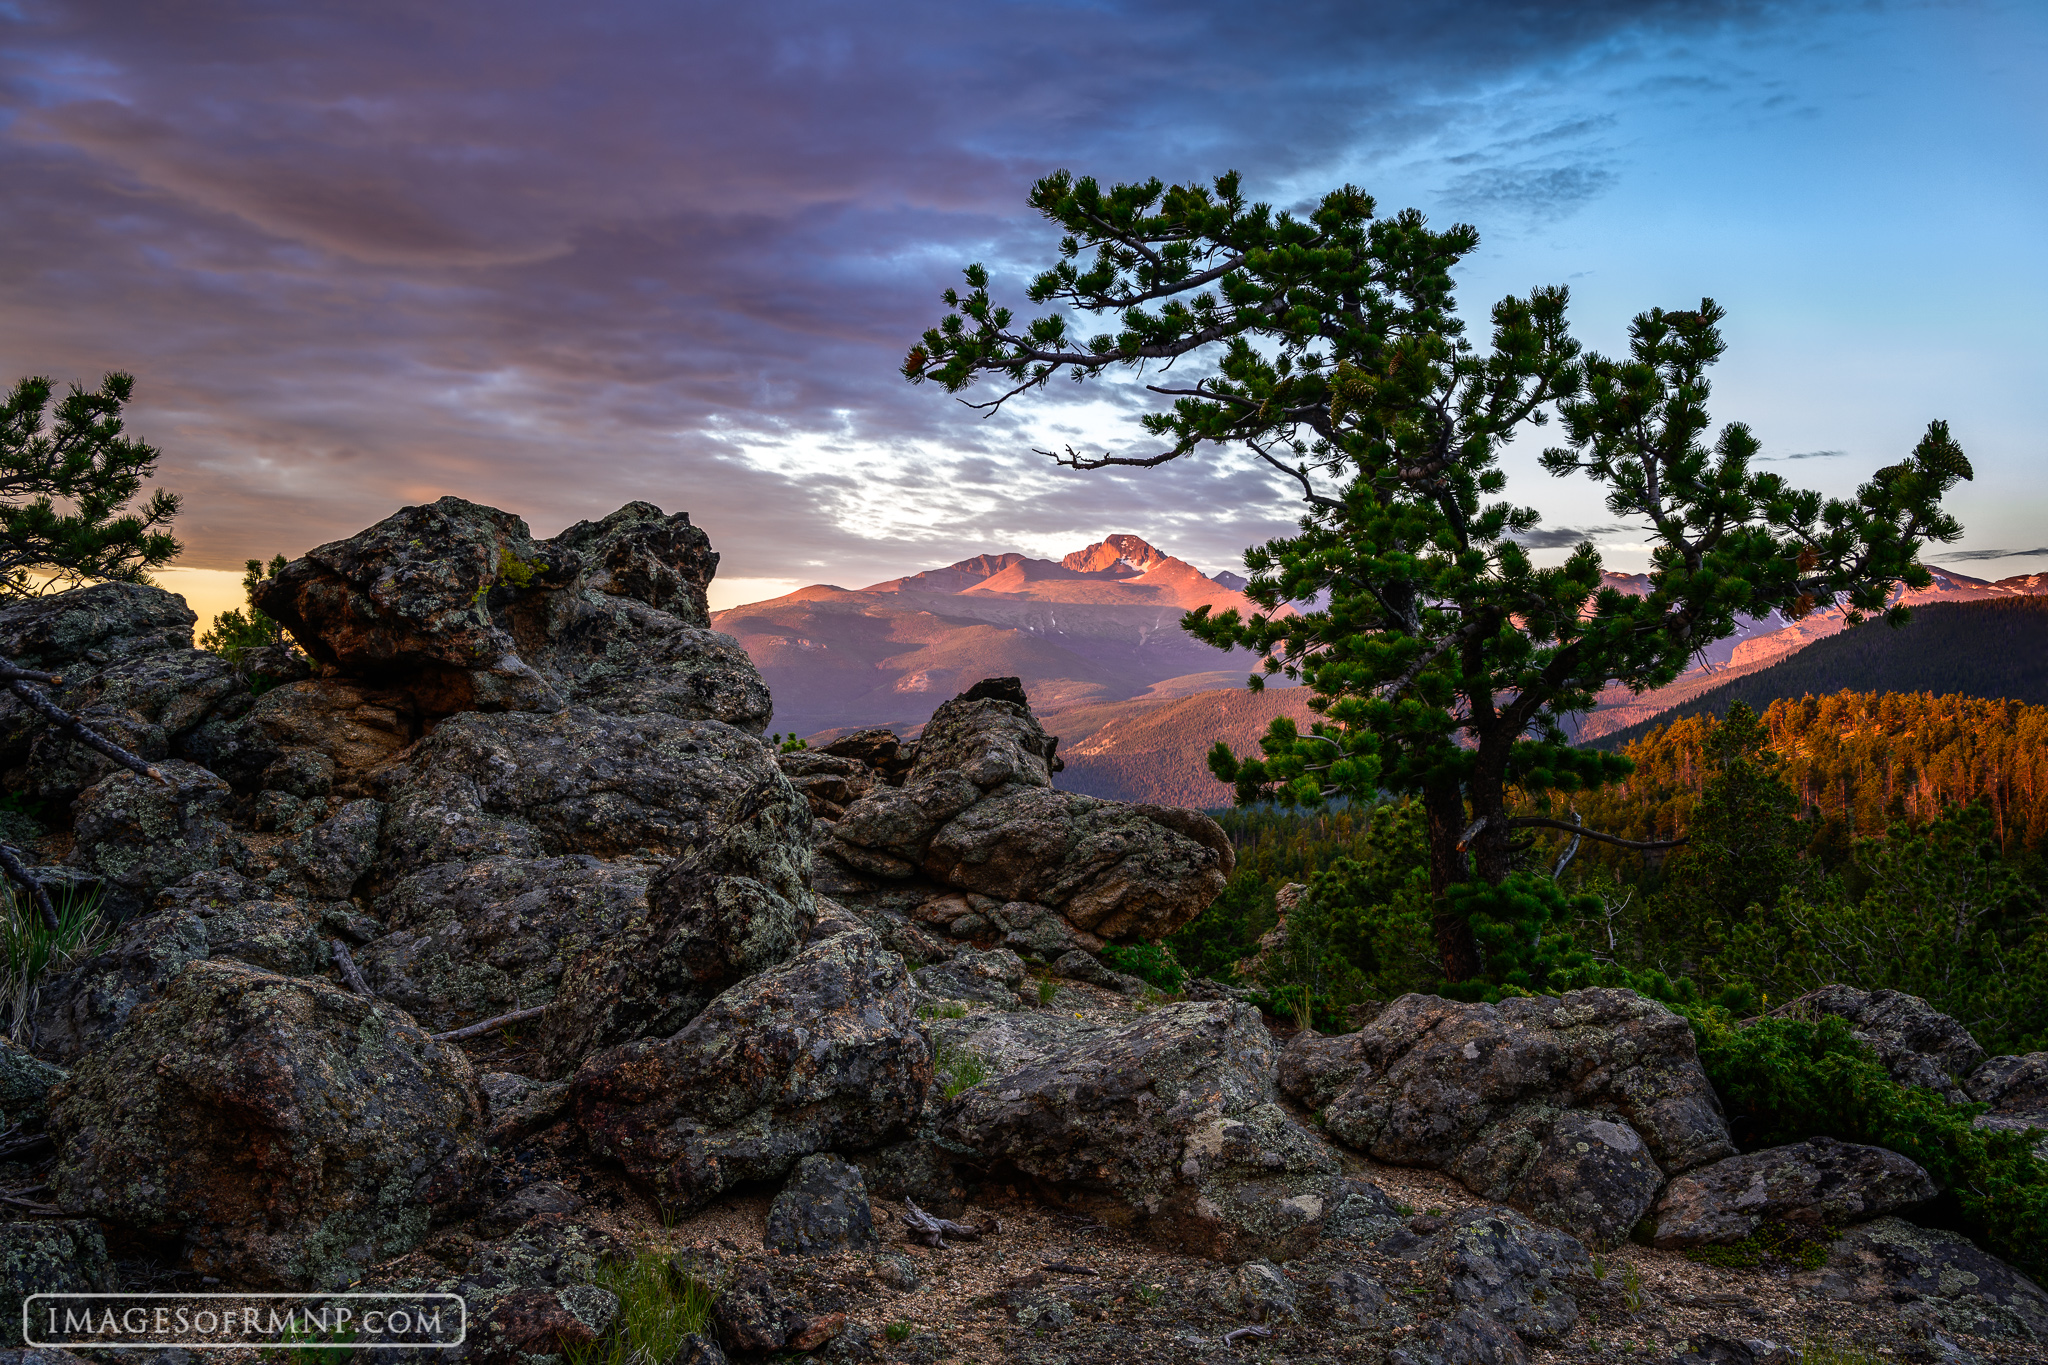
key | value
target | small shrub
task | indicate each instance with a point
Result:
(897, 1331)
(956, 1068)
(947, 1009)
(1048, 991)
(1152, 963)
(791, 743)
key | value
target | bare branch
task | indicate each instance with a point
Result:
(1534, 822)
(477, 1030)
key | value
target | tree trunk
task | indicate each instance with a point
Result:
(1455, 946)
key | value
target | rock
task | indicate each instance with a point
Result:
(1940, 1276)
(989, 736)
(1502, 1097)
(146, 703)
(1256, 1291)
(733, 905)
(1037, 933)
(828, 781)
(992, 978)
(288, 1131)
(48, 1256)
(1510, 1271)
(1161, 1122)
(697, 1350)
(333, 856)
(1917, 1043)
(918, 1168)
(2016, 1088)
(87, 629)
(458, 605)
(25, 1082)
(530, 1201)
(1464, 1338)
(1809, 1186)
(755, 1314)
(543, 1322)
(1080, 966)
(520, 1107)
(1114, 870)
(820, 1053)
(218, 914)
(1361, 1212)
(470, 941)
(1315, 1068)
(1585, 1172)
(531, 786)
(139, 836)
(315, 738)
(1357, 1299)
(886, 756)
(822, 1209)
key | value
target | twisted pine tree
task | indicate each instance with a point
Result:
(65, 478)
(1442, 660)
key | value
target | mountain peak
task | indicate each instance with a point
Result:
(1126, 554)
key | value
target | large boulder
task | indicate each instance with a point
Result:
(1942, 1278)
(469, 941)
(1573, 1108)
(88, 629)
(1509, 1271)
(218, 914)
(1164, 1122)
(820, 1053)
(976, 813)
(1916, 1042)
(1808, 1186)
(147, 703)
(289, 1133)
(462, 608)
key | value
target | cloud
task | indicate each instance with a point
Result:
(1806, 455)
(561, 257)
(1994, 554)
(1564, 537)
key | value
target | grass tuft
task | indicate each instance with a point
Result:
(659, 1306)
(29, 952)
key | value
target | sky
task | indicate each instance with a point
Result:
(555, 258)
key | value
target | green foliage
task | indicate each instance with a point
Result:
(30, 953)
(659, 1306)
(235, 632)
(514, 572)
(956, 1068)
(1742, 841)
(897, 1331)
(1445, 659)
(1771, 1242)
(75, 455)
(1783, 1080)
(791, 743)
(1048, 991)
(1152, 963)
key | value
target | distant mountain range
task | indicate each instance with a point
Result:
(1096, 638)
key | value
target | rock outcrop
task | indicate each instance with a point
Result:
(1917, 1043)
(1572, 1109)
(1947, 1282)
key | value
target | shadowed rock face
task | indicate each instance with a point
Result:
(1946, 1282)
(461, 607)
(1916, 1042)
(288, 1131)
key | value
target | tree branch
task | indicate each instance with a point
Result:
(1535, 822)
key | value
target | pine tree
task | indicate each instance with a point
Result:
(65, 477)
(1444, 661)
(235, 632)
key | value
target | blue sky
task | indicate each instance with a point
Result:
(555, 258)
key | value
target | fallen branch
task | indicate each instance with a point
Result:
(1536, 822)
(1230, 1337)
(13, 1148)
(31, 1205)
(479, 1029)
(1067, 1268)
(933, 1232)
(349, 973)
(10, 862)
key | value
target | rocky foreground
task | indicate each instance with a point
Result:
(827, 1029)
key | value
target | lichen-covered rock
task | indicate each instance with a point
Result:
(822, 1209)
(1941, 1276)
(1080, 966)
(459, 605)
(1463, 1338)
(988, 735)
(1586, 1172)
(25, 1082)
(48, 1257)
(218, 914)
(1808, 1186)
(523, 785)
(147, 703)
(991, 978)
(1315, 1068)
(314, 738)
(1916, 1042)
(828, 781)
(1510, 1271)
(91, 628)
(469, 941)
(820, 1053)
(1478, 1090)
(138, 836)
(1162, 1122)
(288, 1132)
(332, 856)
(542, 1322)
